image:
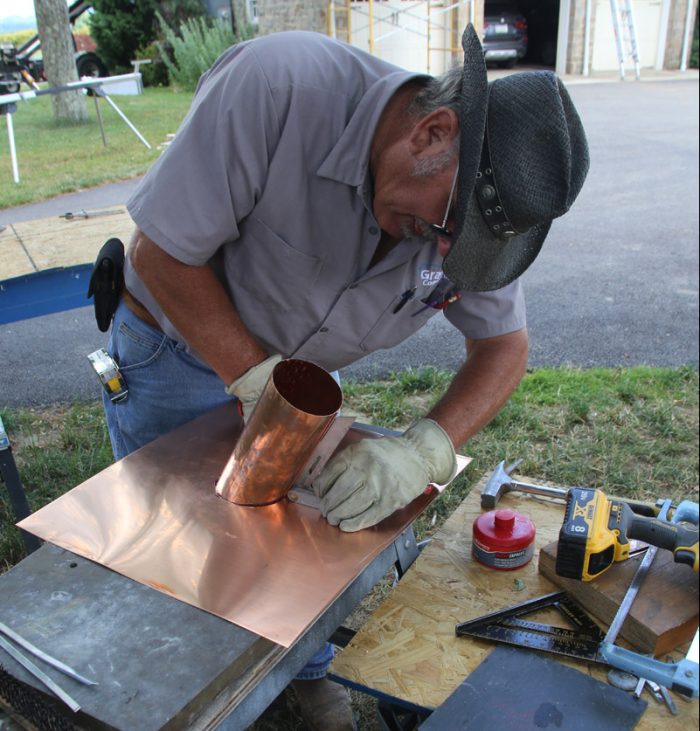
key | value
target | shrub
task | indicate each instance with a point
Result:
(156, 72)
(121, 27)
(195, 47)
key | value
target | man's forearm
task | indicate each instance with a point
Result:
(492, 371)
(199, 307)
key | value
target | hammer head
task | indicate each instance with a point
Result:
(499, 483)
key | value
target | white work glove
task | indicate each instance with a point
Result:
(248, 387)
(372, 478)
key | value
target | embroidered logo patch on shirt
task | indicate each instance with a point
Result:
(430, 277)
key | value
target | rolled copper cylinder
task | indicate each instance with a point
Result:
(296, 408)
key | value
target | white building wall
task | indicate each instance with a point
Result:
(647, 15)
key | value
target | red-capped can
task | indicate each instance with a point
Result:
(503, 539)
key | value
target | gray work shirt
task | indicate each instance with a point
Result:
(269, 174)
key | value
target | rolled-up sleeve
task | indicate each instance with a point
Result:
(480, 315)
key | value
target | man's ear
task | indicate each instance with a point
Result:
(434, 133)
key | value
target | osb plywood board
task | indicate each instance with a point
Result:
(14, 260)
(408, 649)
(47, 243)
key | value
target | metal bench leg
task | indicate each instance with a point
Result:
(18, 498)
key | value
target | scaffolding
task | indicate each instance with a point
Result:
(381, 27)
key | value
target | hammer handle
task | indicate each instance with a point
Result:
(561, 492)
(557, 492)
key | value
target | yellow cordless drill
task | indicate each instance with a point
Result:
(597, 532)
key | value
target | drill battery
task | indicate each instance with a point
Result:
(581, 553)
(597, 531)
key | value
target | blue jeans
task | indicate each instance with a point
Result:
(167, 388)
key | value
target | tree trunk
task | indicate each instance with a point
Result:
(59, 58)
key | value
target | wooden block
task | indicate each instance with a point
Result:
(665, 612)
(59, 242)
(45, 243)
(14, 260)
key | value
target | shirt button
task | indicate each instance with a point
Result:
(373, 230)
(323, 330)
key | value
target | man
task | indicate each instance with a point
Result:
(307, 207)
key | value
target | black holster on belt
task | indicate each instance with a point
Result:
(107, 281)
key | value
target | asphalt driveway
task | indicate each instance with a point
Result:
(616, 283)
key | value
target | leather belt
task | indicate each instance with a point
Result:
(139, 310)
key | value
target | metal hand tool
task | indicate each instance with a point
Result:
(631, 595)
(26, 663)
(653, 689)
(66, 669)
(511, 626)
(585, 642)
(40, 675)
(681, 676)
(667, 699)
(501, 482)
(89, 214)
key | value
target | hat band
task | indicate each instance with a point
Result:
(492, 209)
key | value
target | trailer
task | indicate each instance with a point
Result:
(17, 64)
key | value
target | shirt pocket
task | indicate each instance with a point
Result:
(263, 266)
(392, 328)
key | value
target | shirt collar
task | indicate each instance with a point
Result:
(348, 161)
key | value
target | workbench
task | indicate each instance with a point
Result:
(161, 662)
(45, 264)
(407, 654)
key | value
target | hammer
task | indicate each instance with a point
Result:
(500, 483)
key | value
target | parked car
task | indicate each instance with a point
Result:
(505, 34)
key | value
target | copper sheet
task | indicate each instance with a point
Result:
(155, 517)
(296, 408)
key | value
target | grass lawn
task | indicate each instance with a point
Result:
(632, 432)
(58, 158)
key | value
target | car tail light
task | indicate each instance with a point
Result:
(521, 25)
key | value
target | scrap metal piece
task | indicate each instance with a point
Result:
(40, 675)
(66, 669)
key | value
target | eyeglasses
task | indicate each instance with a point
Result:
(441, 230)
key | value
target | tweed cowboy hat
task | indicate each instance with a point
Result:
(527, 171)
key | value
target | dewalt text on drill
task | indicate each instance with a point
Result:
(597, 532)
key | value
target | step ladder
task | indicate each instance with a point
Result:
(625, 35)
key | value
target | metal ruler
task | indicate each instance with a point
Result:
(507, 626)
